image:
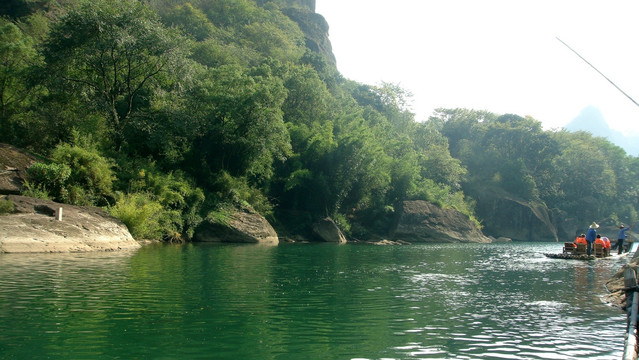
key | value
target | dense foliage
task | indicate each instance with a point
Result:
(168, 112)
(568, 176)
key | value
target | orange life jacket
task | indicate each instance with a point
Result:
(606, 242)
(600, 241)
(580, 240)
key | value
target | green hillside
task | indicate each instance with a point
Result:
(168, 112)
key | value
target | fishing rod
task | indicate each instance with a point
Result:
(597, 70)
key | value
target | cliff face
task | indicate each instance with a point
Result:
(505, 215)
(315, 29)
(308, 5)
(13, 168)
(421, 221)
(313, 25)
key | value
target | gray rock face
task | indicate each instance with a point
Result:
(33, 227)
(328, 231)
(421, 221)
(13, 168)
(243, 226)
(315, 29)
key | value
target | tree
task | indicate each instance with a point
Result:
(112, 54)
(192, 20)
(245, 130)
(435, 160)
(17, 57)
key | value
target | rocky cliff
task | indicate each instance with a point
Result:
(308, 5)
(313, 25)
(421, 221)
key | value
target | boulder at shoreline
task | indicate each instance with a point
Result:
(34, 228)
(327, 230)
(421, 221)
(243, 225)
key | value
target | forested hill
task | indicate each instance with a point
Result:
(169, 112)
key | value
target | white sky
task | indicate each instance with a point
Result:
(495, 55)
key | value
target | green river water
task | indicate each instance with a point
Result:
(309, 301)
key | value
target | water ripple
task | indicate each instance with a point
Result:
(348, 302)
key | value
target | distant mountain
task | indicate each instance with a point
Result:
(592, 120)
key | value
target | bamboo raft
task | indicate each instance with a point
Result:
(573, 256)
(572, 252)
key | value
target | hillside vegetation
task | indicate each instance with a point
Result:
(168, 112)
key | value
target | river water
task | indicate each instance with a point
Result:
(311, 301)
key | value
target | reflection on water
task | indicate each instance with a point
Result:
(464, 301)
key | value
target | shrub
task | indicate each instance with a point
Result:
(140, 214)
(90, 172)
(180, 199)
(47, 181)
(77, 175)
(238, 191)
(342, 223)
(34, 191)
(6, 207)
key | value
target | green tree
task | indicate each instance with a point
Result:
(587, 182)
(111, 55)
(245, 130)
(17, 57)
(435, 160)
(192, 20)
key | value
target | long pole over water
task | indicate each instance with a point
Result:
(600, 73)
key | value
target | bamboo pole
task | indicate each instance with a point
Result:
(600, 73)
(630, 344)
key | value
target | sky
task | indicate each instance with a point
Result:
(502, 56)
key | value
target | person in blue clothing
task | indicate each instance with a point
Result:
(621, 238)
(591, 236)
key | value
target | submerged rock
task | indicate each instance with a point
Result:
(33, 226)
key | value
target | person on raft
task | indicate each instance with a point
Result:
(606, 245)
(621, 237)
(591, 236)
(599, 240)
(581, 239)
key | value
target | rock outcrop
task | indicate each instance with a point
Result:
(421, 221)
(242, 226)
(308, 5)
(312, 24)
(13, 168)
(508, 215)
(315, 29)
(33, 227)
(616, 288)
(327, 230)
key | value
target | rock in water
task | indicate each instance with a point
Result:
(242, 226)
(328, 231)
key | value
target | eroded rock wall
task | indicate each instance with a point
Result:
(421, 221)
